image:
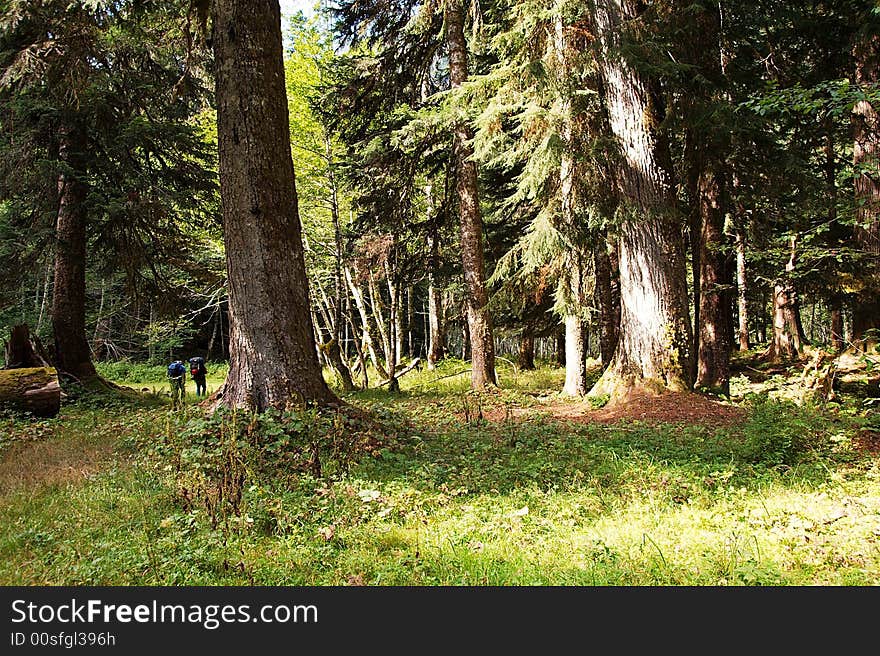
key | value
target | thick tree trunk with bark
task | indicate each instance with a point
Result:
(713, 356)
(526, 356)
(73, 355)
(653, 349)
(482, 345)
(708, 145)
(866, 161)
(273, 359)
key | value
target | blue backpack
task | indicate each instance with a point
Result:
(176, 369)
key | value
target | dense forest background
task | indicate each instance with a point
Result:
(693, 178)
(490, 293)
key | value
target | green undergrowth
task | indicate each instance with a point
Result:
(409, 492)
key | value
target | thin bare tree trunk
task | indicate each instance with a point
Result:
(742, 289)
(334, 351)
(368, 340)
(44, 303)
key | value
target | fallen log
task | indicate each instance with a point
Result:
(34, 389)
(412, 365)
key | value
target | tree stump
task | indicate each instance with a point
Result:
(33, 389)
(23, 351)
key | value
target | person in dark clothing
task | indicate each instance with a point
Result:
(198, 372)
(177, 380)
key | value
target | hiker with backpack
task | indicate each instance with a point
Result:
(198, 372)
(177, 380)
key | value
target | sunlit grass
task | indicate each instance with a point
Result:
(786, 498)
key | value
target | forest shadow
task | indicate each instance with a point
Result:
(541, 450)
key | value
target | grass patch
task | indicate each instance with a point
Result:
(788, 497)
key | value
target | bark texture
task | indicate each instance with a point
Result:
(273, 359)
(786, 342)
(575, 356)
(480, 332)
(608, 302)
(653, 349)
(866, 160)
(526, 356)
(72, 352)
(713, 355)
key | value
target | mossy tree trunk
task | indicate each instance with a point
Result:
(654, 345)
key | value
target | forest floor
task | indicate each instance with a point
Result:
(447, 487)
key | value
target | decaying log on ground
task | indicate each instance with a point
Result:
(32, 389)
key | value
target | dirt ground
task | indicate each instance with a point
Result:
(669, 407)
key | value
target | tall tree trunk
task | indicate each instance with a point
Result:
(742, 289)
(72, 353)
(709, 143)
(837, 340)
(436, 335)
(693, 156)
(368, 337)
(559, 339)
(480, 331)
(334, 352)
(607, 301)
(713, 356)
(654, 344)
(786, 341)
(866, 161)
(575, 320)
(273, 358)
(526, 357)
